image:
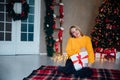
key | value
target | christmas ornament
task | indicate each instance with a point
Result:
(50, 25)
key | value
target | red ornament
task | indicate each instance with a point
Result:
(23, 1)
(99, 50)
(51, 7)
(113, 26)
(106, 20)
(96, 42)
(98, 20)
(53, 1)
(54, 25)
(109, 26)
(22, 14)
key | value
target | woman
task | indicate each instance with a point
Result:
(76, 43)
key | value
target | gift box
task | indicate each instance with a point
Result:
(80, 60)
(109, 58)
(107, 51)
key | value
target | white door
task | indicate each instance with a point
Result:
(22, 36)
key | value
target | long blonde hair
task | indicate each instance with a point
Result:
(77, 29)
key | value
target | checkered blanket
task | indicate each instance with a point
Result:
(51, 73)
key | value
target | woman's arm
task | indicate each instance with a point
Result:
(90, 51)
(68, 47)
(73, 46)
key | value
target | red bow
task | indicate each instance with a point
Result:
(108, 51)
(80, 59)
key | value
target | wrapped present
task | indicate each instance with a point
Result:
(106, 51)
(99, 50)
(80, 60)
(109, 58)
(110, 51)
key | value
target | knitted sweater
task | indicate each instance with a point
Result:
(75, 44)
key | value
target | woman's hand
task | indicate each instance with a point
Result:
(89, 64)
(82, 49)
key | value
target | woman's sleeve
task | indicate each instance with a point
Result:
(90, 51)
(69, 47)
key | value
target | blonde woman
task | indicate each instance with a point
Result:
(76, 43)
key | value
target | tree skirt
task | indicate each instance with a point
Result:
(51, 73)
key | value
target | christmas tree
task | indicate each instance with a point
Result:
(106, 32)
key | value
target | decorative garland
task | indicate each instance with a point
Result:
(50, 25)
(15, 16)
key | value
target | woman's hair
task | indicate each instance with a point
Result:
(77, 29)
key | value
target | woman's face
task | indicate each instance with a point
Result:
(75, 32)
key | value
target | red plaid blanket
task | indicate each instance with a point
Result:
(51, 73)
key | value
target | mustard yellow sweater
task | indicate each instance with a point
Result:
(75, 44)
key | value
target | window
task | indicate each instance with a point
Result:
(5, 23)
(27, 26)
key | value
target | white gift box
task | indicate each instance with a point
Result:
(79, 60)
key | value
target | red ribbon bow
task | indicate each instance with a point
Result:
(80, 59)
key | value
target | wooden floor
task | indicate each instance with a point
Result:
(19, 66)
